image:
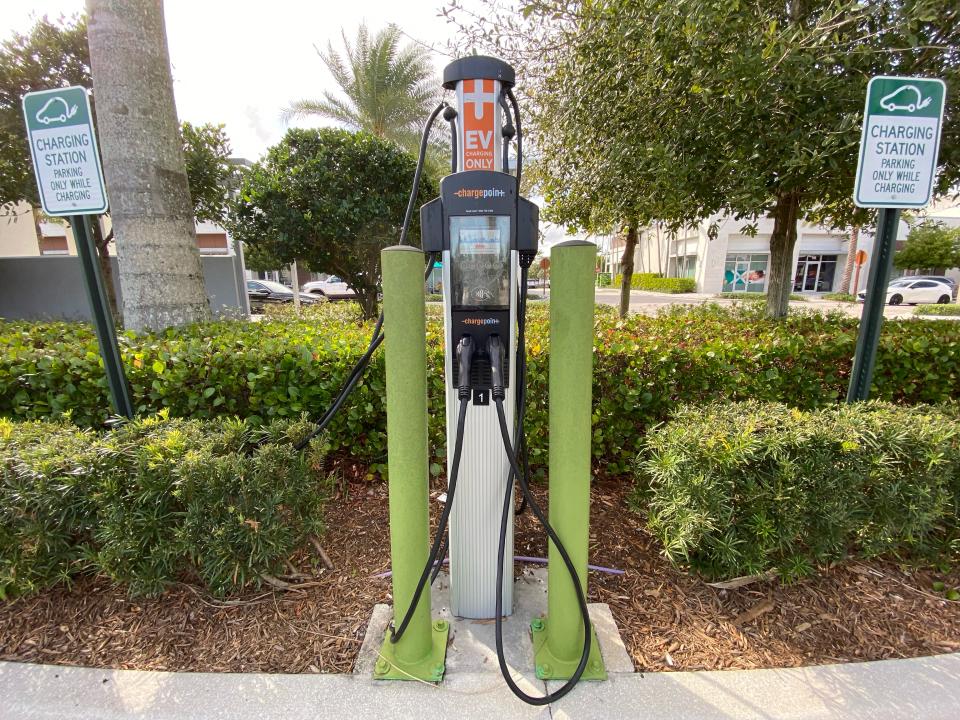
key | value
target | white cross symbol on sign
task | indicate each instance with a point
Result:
(478, 97)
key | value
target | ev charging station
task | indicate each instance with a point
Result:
(486, 235)
(482, 227)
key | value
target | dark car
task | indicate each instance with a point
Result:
(262, 292)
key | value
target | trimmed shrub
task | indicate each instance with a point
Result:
(154, 499)
(942, 310)
(742, 488)
(643, 368)
(840, 297)
(668, 285)
(636, 280)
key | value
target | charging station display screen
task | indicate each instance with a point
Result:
(480, 261)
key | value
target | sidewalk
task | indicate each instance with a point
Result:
(927, 688)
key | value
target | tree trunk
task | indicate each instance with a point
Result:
(160, 271)
(102, 243)
(851, 261)
(782, 242)
(626, 268)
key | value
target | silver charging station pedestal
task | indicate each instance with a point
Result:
(481, 226)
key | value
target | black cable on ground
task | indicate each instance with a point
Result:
(501, 550)
(498, 397)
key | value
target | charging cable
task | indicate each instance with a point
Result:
(465, 350)
(496, 370)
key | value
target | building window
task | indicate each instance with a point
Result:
(745, 273)
(815, 273)
(684, 266)
(55, 245)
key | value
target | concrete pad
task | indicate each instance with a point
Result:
(472, 647)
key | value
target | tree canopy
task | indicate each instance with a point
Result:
(331, 199)
(676, 111)
(930, 246)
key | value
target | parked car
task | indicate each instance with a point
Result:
(913, 291)
(333, 288)
(936, 278)
(262, 292)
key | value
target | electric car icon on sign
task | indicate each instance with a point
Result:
(907, 97)
(49, 112)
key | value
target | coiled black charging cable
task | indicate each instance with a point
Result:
(496, 353)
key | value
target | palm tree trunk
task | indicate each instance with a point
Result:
(851, 259)
(160, 271)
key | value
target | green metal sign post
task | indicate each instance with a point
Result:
(896, 168)
(66, 164)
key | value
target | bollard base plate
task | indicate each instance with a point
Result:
(550, 667)
(428, 669)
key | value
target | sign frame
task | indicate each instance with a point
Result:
(77, 94)
(897, 202)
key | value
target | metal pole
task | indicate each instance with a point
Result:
(419, 654)
(872, 318)
(558, 641)
(102, 319)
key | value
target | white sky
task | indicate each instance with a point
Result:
(241, 62)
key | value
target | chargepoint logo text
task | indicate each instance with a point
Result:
(481, 321)
(480, 193)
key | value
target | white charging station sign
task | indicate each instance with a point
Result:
(899, 142)
(63, 146)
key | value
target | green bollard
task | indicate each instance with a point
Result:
(558, 639)
(421, 651)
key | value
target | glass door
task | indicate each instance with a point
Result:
(811, 275)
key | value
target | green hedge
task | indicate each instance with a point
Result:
(668, 285)
(742, 488)
(153, 499)
(654, 282)
(943, 310)
(636, 280)
(644, 367)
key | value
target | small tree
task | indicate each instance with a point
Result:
(930, 246)
(331, 199)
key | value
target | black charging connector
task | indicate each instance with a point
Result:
(465, 352)
(465, 359)
(496, 352)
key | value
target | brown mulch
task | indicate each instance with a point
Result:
(668, 619)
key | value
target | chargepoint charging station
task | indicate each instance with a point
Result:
(485, 233)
